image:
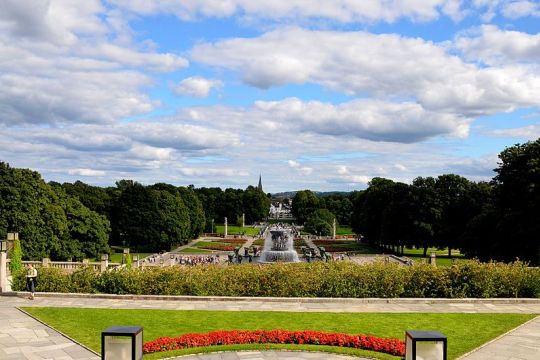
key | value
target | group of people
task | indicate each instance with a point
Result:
(196, 260)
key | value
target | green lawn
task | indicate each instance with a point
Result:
(442, 258)
(237, 230)
(465, 331)
(191, 250)
(117, 257)
(344, 230)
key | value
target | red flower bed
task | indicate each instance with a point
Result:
(389, 346)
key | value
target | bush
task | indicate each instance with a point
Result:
(333, 279)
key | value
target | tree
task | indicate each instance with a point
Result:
(256, 204)
(453, 192)
(320, 222)
(173, 222)
(31, 207)
(426, 212)
(195, 208)
(136, 219)
(517, 193)
(368, 208)
(304, 203)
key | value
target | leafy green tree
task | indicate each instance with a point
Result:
(518, 202)
(173, 222)
(338, 204)
(136, 217)
(320, 222)
(95, 198)
(304, 203)
(453, 192)
(197, 219)
(426, 212)
(31, 207)
(368, 208)
(256, 204)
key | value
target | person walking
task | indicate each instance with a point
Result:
(31, 276)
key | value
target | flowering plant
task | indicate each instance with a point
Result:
(277, 336)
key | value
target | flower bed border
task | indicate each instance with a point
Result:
(308, 337)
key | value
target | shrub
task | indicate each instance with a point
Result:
(319, 279)
(15, 265)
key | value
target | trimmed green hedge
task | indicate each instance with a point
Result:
(336, 279)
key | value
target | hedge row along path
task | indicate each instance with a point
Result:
(22, 337)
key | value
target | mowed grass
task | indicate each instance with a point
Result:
(191, 250)
(344, 230)
(117, 257)
(237, 230)
(441, 256)
(465, 331)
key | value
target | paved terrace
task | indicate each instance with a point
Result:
(22, 337)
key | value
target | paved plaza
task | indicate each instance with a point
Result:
(22, 337)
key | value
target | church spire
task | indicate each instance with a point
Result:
(260, 183)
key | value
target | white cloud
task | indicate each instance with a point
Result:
(360, 63)
(369, 119)
(493, 46)
(293, 164)
(343, 11)
(86, 172)
(60, 63)
(531, 132)
(517, 9)
(196, 86)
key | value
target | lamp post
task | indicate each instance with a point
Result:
(122, 343)
(423, 345)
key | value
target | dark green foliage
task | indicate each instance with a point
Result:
(95, 198)
(517, 187)
(197, 219)
(255, 204)
(320, 222)
(50, 223)
(338, 279)
(304, 203)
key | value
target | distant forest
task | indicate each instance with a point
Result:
(496, 220)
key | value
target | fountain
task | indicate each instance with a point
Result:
(279, 245)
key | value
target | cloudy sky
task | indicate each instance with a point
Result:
(322, 95)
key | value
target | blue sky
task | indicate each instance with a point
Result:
(321, 95)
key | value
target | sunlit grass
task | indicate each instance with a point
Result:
(465, 331)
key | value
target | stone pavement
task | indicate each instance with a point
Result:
(22, 337)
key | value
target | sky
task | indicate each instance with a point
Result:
(320, 95)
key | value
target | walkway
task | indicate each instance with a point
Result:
(22, 337)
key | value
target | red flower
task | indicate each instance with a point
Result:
(277, 336)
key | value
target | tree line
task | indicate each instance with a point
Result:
(489, 220)
(77, 220)
(499, 219)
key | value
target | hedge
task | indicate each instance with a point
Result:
(335, 279)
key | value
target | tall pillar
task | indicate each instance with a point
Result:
(104, 263)
(226, 227)
(334, 229)
(243, 220)
(3, 272)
